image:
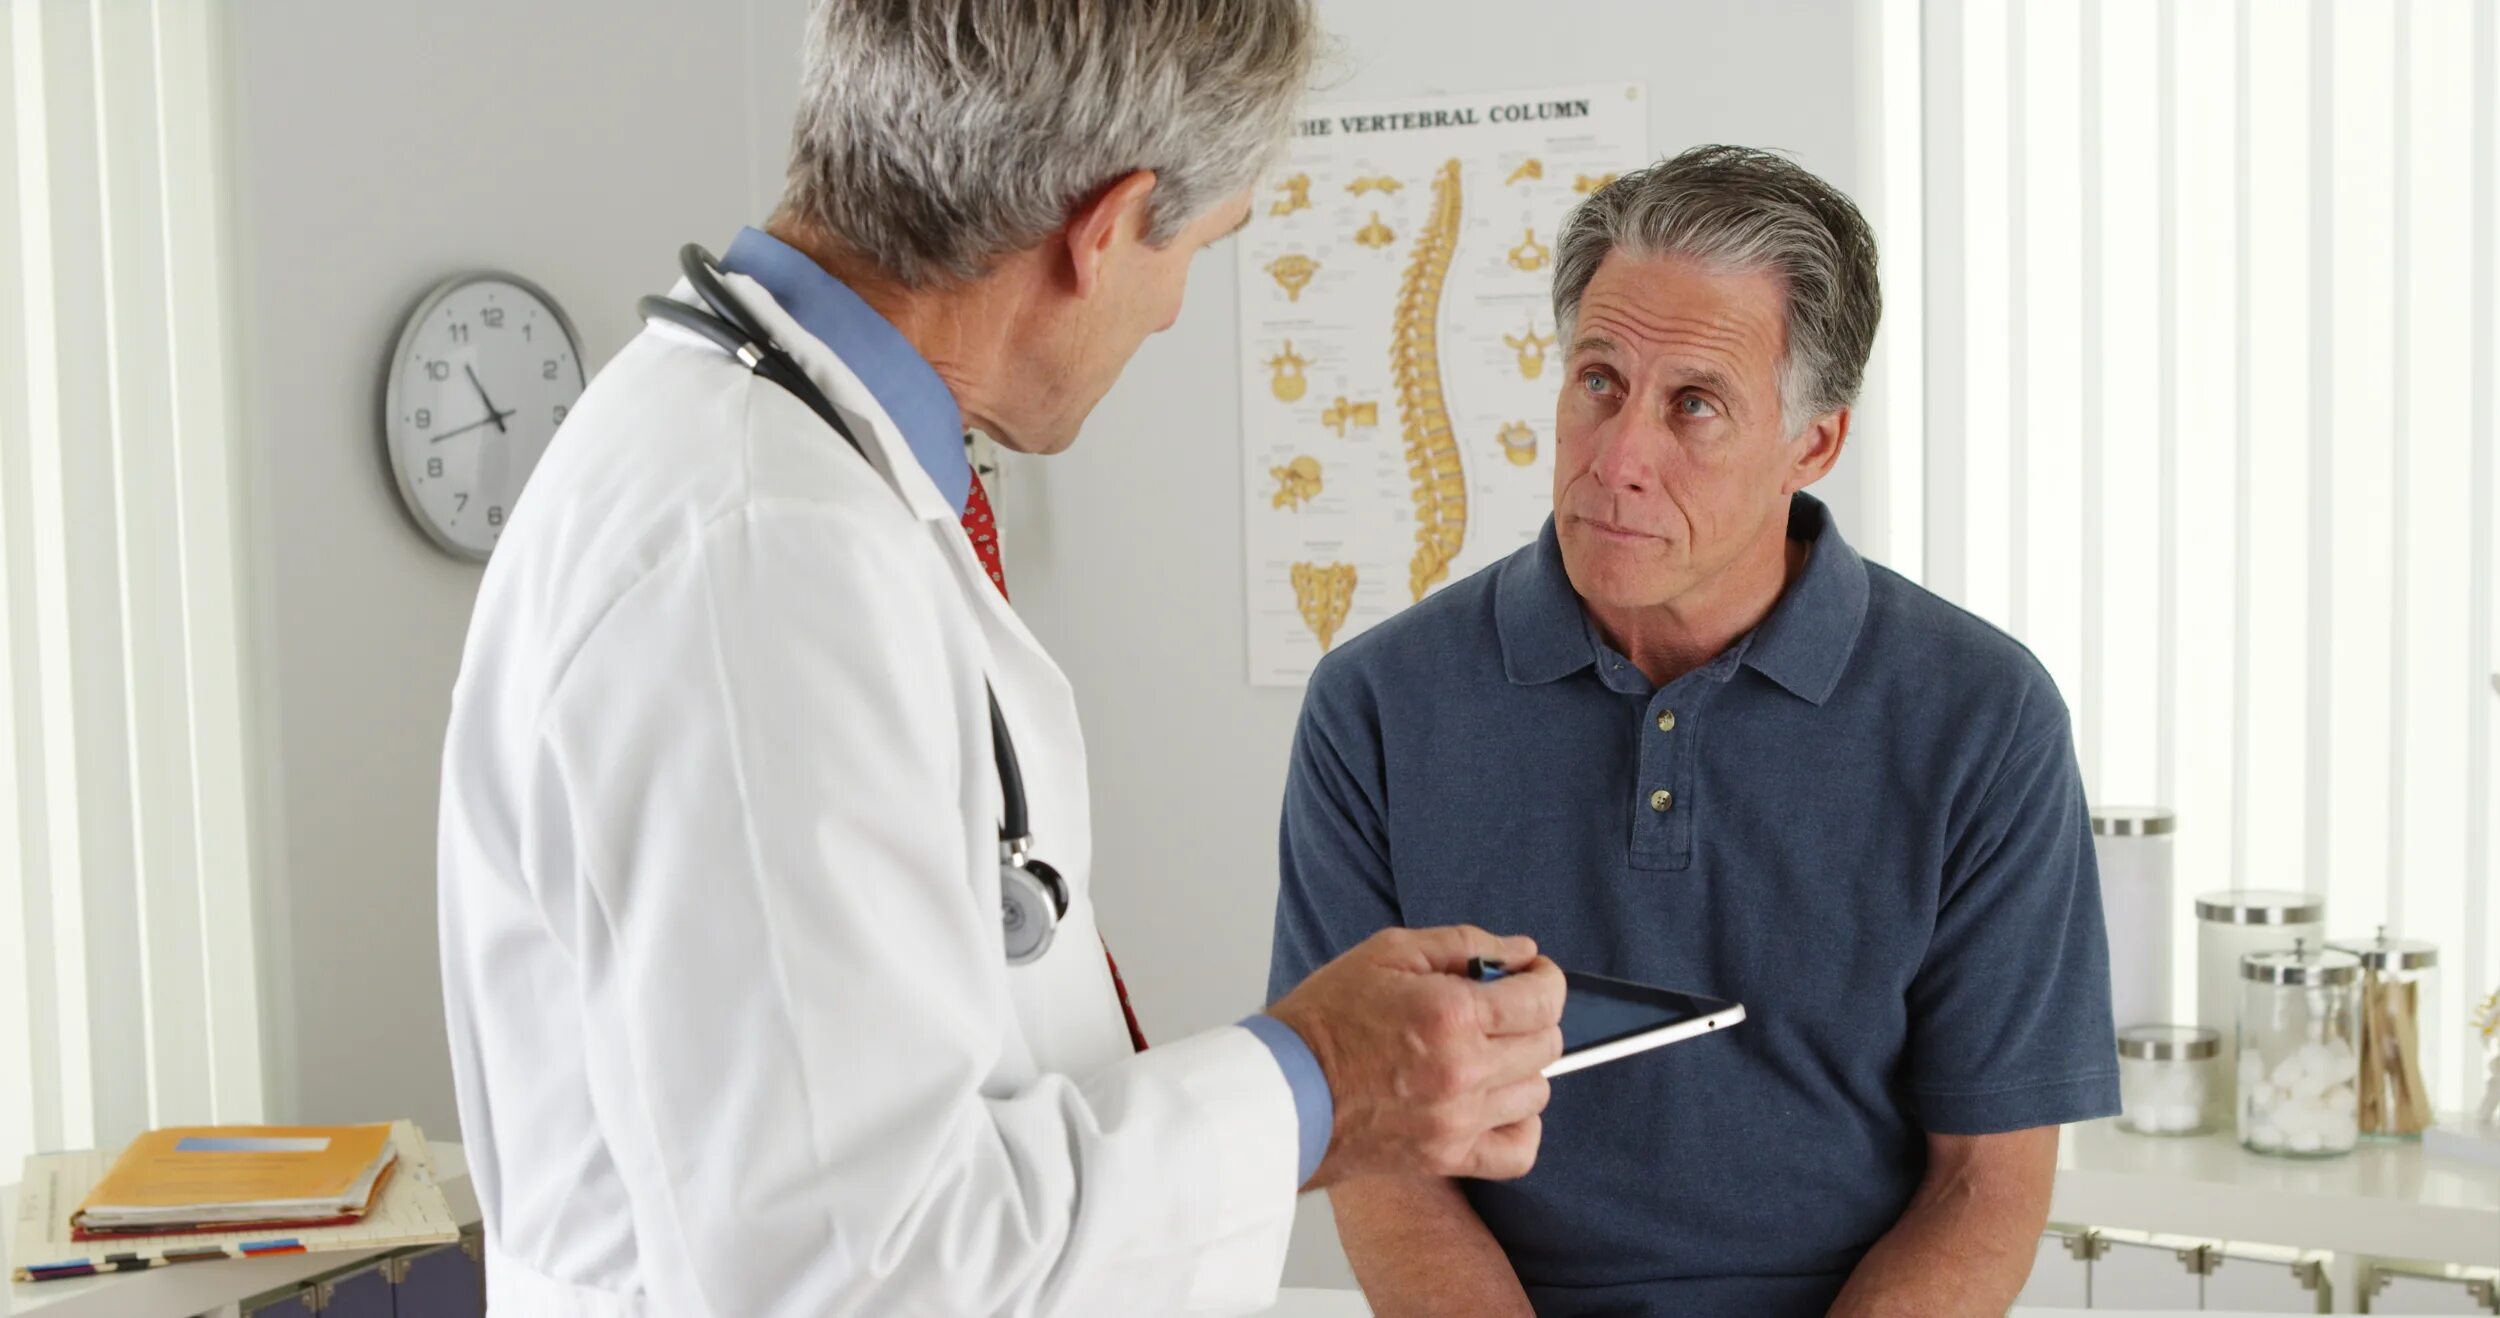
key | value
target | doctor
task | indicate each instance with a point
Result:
(733, 1019)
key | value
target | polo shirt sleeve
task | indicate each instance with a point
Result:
(1335, 886)
(2009, 1013)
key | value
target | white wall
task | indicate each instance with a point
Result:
(378, 148)
(1126, 553)
(577, 142)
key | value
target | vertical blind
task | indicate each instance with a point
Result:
(127, 990)
(2188, 384)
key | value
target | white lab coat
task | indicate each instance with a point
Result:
(731, 1024)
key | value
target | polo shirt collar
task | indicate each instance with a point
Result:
(1804, 645)
(1806, 642)
(1545, 636)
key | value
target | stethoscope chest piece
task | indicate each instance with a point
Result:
(1031, 899)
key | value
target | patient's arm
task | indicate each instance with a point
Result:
(1966, 1243)
(1420, 1251)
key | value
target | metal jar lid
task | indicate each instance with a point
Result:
(2169, 1043)
(2385, 953)
(2261, 906)
(2301, 966)
(2133, 821)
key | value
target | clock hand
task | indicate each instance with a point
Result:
(494, 419)
(491, 413)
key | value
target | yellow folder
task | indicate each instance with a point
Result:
(189, 1175)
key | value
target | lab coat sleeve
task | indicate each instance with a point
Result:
(793, 981)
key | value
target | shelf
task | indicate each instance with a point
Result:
(2384, 1200)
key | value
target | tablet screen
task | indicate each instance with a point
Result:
(1599, 1011)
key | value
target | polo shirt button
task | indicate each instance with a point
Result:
(1661, 800)
(1666, 721)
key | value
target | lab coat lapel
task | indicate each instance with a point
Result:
(1032, 691)
(891, 454)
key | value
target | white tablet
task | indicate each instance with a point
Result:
(1605, 1019)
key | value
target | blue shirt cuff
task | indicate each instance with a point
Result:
(1313, 1106)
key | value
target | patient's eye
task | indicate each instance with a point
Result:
(1694, 405)
(1596, 382)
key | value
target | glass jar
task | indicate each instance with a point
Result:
(2300, 1052)
(2230, 925)
(2399, 1027)
(2132, 847)
(2167, 1079)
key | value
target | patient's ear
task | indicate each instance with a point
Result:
(1818, 449)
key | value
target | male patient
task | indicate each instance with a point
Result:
(1690, 737)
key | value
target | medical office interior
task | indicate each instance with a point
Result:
(2185, 379)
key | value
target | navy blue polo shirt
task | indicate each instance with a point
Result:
(1863, 821)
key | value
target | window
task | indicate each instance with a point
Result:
(2188, 383)
(127, 994)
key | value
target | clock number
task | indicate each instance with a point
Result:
(434, 467)
(463, 503)
(493, 316)
(548, 372)
(425, 418)
(438, 370)
(494, 517)
(559, 414)
(460, 331)
(525, 331)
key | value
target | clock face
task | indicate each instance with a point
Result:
(485, 371)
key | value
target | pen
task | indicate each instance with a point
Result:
(1484, 969)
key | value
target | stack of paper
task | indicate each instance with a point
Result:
(214, 1178)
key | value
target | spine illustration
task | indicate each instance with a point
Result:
(1297, 482)
(1415, 368)
(1324, 592)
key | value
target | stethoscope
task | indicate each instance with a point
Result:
(1032, 896)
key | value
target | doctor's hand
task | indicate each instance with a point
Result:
(1432, 1073)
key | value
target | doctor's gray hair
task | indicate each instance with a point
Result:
(1738, 209)
(936, 136)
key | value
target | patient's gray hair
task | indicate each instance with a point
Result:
(1738, 209)
(935, 136)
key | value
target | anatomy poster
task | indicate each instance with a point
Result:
(1398, 349)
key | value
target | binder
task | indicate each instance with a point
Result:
(363, 1293)
(444, 1282)
(285, 1304)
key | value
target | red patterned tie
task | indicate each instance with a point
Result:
(982, 526)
